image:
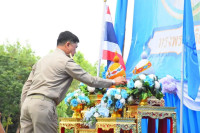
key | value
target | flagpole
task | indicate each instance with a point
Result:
(182, 89)
(102, 39)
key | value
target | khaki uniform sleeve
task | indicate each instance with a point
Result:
(27, 85)
(75, 71)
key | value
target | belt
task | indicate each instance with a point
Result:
(42, 97)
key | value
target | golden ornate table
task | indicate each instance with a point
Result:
(125, 123)
(156, 112)
(116, 124)
(69, 123)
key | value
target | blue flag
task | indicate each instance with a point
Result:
(191, 59)
(120, 22)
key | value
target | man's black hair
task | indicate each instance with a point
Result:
(67, 36)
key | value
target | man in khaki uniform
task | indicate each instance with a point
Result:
(48, 83)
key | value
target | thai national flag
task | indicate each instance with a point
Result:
(110, 44)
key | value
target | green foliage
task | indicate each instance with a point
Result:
(15, 65)
(61, 109)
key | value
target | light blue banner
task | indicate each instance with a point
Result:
(157, 29)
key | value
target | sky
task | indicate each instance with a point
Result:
(39, 22)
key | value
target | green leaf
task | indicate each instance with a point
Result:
(149, 94)
(144, 95)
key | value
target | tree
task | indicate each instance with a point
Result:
(15, 65)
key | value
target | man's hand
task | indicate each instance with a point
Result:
(120, 81)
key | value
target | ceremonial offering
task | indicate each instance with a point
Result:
(115, 69)
(94, 94)
(94, 112)
(143, 86)
(114, 100)
(144, 65)
(77, 100)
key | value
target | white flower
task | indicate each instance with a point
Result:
(157, 85)
(78, 91)
(96, 114)
(142, 76)
(108, 92)
(122, 101)
(103, 104)
(82, 94)
(83, 101)
(138, 84)
(90, 89)
(117, 96)
(69, 99)
(78, 100)
(152, 76)
(76, 94)
(130, 99)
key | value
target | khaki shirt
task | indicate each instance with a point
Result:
(53, 74)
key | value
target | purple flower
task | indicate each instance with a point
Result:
(168, 84)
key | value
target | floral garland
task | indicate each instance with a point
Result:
(76, 97)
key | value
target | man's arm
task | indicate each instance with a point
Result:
(27, 85)
(78, 73)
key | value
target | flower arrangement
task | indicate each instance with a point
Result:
(114, 99)
(168, 84)
(76, 97)
(143, 86)
(91, 90)
(94, 112)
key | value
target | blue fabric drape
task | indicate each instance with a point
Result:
(120, 22)
(191, 59)
(191, 118)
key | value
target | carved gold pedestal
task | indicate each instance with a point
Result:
(69, 123)
(85, 130)
(116, 124)
(117, 114)
(77, 111)
(130, 111)
(156, 112)
(143, 102)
